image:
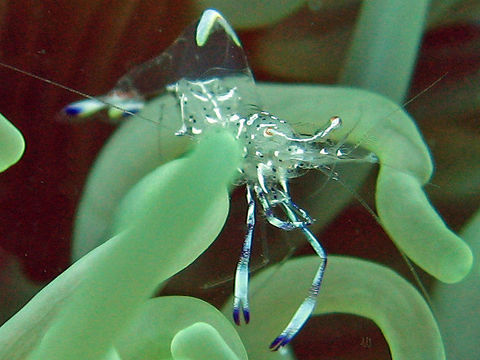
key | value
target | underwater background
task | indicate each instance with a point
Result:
(88, 45)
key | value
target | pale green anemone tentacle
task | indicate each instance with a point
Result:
(79, 314)
(12, 144)
(426, 239)
(351, 286)
(383, 60)
(200, 341)
(457, 306)
(159, 322)
(187, 197)
(381, 126)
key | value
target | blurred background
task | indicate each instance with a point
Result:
(87, 45)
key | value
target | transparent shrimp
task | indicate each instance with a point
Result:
(207, 72)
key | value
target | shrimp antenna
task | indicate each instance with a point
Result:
(415, 97)
(412, 99)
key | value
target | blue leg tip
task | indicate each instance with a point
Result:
(72, 110)
(236, 316)
(279, 342)
(246, 315)
(275, 345)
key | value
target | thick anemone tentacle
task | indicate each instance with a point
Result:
(12, 144)
(157, 332)
(182, 210)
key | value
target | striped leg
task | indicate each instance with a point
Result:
(306, 308)
(240, 301)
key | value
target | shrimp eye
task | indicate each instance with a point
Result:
(268, 132)
(336, 121)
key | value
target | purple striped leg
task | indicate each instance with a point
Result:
(306, 308)
(240, 301)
